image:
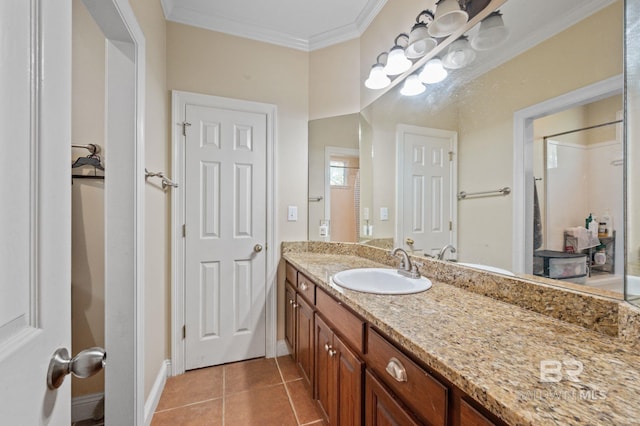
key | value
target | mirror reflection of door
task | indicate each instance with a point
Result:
(578, 170)
(342, 193)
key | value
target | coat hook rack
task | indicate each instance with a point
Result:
(166, 182)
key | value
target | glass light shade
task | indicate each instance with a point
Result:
(492, 33)
(377, 78)
(459, 55)
(449, 18)
(433, 72)
(420, 42)
(397, 62)
(412, 86)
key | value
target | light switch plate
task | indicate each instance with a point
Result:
(384, 213)
(292, 213)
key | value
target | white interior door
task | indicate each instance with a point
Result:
(35, 214)
(426, 188)
(225, 213)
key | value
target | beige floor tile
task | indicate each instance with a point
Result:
(305, 408)
(253, 374)
(207, 413)
(193, 386)
(265, 406)
(288, 368)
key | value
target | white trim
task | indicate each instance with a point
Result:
(282, 348)
(179, 100)
(522, 260)
(453, 146)
(178, 12)
(84, 407)
(156, 391)
(125, 277)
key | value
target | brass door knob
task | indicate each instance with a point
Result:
(409, 241)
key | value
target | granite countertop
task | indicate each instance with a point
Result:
(493, 350)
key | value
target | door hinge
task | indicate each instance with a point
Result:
(184, 127)
(450, 155)
(184, 231)
(450, 226)
(184, 331)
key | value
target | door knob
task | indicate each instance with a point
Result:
(257, 248)
(85, 364)
(409, 241)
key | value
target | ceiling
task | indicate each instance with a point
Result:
(300, 24)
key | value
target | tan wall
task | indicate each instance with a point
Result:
(157, 215)
(334, 80)
(222, 65)
(87, 212)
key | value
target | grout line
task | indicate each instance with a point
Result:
(295, 413)
(186, 405)
(224, 391)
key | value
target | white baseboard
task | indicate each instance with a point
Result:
(156, 391)
(282, 348)
(83, 407)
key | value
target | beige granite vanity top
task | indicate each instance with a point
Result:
(492, 350)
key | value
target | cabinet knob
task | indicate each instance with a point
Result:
(327, 347)
(304, 286)
(332, 352)
(291, 301)
(396, 370)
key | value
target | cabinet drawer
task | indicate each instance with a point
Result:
(343, 321)
(306, 288)
(418, 389)
(469, 416)
(291, 273)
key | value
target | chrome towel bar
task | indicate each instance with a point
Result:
(502, 191)
(166, 182)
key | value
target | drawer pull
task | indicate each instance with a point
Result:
(332, 352)
(396, 370)
(291, 301)
(304, 286)
(327, 347)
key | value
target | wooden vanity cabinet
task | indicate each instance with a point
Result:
(338, 377)
(331, 345)
(299, 320)
(381, 406)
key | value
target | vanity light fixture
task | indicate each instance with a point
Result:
(420, 42)
(450, 16)
(412, 86)
(377, 77)
(492, 32)
(397, 61)
(459, 55)
(433, 72)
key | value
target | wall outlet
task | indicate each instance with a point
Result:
(292, 213)
(384, 213)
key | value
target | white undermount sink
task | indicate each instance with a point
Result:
(380, 281)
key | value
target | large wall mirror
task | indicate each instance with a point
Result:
(504, 160)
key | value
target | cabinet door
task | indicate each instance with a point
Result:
(349, 384)
(290, 318)
(325, 371)
(381, 408)
(304, 338)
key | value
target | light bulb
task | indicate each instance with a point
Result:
(433, 72)
(377, 78)
(412, 86)
(397, 62)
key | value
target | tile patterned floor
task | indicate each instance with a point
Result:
(261, 392)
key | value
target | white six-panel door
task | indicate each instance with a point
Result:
(426, 175)
(35, 208)
(225, 212)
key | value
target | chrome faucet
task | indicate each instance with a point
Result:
(406, 268)
(444, 249)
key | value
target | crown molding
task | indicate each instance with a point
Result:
(184, 15)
